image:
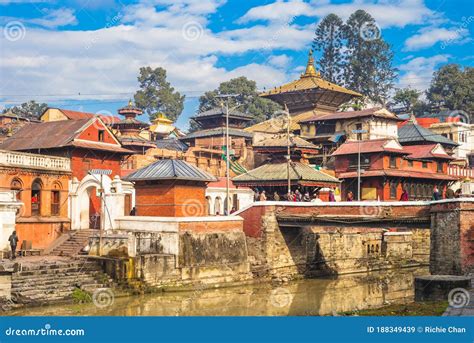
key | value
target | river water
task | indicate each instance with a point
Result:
(302, 297)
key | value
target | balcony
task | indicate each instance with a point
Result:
(34, 161)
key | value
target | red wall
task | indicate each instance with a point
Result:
(83, 160)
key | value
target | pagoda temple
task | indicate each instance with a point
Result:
(163, 128)
(128, 130)
(306, 97)
(272, 176)
(209, 142)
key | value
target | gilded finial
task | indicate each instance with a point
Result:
(130, 103)
(310, 69)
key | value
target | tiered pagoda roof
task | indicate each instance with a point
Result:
(310, 91)
(129, 128)
(276, 174)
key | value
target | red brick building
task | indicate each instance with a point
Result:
(387, 168)
(171, 188)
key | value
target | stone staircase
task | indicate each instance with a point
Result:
(72, 246)
(56, 281)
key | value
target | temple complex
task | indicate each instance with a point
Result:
(306, 97)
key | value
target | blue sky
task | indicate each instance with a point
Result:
(85, 55)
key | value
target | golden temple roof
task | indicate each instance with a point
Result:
(310, 79)
(274, 126)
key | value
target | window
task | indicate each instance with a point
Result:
(440, 167)
(17, 187)
(55, 203)
(424, 164)
(101, 135)
(410, 163)
(36, 198)
(393, 190)
(393, 162)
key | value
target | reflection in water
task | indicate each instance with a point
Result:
(303, 297)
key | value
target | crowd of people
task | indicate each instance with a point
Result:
(296, 196)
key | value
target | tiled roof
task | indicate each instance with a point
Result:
(412, 133)
(76, 115)
(281, 141)
(171, 144)
(369, 112)
(369, 146)
(217, 132)
(275, 125)
(219, 111)
(55, 134)
(425, 151)
(398, 173)
(277, 172)
(171, 170)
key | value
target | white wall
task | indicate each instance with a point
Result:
(8, 207)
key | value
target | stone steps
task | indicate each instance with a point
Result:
(51, 282)
(74, 244)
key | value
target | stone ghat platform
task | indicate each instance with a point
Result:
(40, 280)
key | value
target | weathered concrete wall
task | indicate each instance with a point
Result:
(452, 237)
(329, 249)
(384, 210)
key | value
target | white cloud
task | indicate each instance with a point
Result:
(419, 71)
(279, 61)
(56, 18)
(387, 13)
(428, 37)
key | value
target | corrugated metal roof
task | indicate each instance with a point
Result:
(299, 172)
(171, 144)
(416, 133)
(217, 132)
(171, 170)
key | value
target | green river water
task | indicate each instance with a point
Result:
(327, 296)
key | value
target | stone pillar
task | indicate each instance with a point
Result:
(452, 237)
(8, 208)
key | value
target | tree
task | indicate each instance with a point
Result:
(156, 94)
(407, 97)
(261, 109)
(29, 109)
(328, 39)
(369, 67)
(452, 88)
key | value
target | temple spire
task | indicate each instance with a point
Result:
(310, 69)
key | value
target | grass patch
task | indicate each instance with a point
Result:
(80, 296)
(432, 308)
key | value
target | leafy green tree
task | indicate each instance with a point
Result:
(157, 95)
(261, 109)
(328, 38)
(407, 97)
(369, 68)
(29, 109)
(453, 88)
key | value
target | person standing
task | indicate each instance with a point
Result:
(332, 198)
(276, 197)
(263, 197)
(350, 196)
(13, 239)
(436, 194)
(404, 196)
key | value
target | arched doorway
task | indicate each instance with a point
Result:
(90, 207)
(217, 206)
